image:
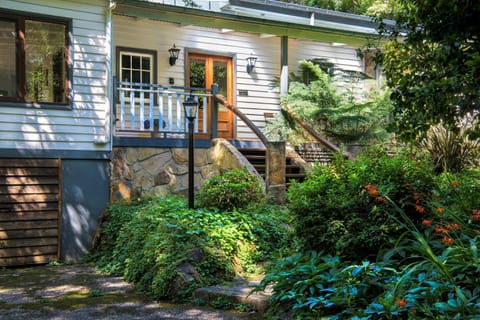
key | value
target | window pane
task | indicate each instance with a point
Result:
(8, 77)
(220, 78)
(136, 76)
(146, 63)
(197, 73)
(45, 62)
(126, 61)
(126, 75)
(135, 62)
(146, 77)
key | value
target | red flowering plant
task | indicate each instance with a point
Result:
(439, 264)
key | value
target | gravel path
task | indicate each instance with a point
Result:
(79, 292)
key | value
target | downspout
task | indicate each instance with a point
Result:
(106, 137)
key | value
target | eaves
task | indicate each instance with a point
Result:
(190, 16)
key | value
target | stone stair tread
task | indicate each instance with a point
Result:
(238, 292)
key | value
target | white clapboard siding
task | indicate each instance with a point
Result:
(262, 96)
(160, 36)
(342, 56)
(84, 122)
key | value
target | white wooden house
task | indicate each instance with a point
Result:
(80, 79)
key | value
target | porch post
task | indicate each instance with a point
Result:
(214, 113)
(275, 176)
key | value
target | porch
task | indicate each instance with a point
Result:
(150, 120)
(146, 110)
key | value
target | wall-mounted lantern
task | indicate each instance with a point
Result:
(251, 63)
(173, 51)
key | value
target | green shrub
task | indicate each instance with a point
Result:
(451, 150)
(151, 243)
(338, 115)
(432, 273)
(237, 188)
(342, 209)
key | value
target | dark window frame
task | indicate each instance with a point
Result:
(19, 19)
(153, 53)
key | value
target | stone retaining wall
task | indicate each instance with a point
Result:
(138, 171)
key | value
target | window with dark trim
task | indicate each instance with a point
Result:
(136, 65)
(33, 60)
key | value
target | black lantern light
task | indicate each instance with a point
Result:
(251, 63)
(190, 107)
(173, 51)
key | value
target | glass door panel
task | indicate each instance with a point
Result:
(204, 71)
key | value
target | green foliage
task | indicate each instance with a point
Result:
(313, 286)
(450, 150)
(338, 116)
(168, 250)
(458, 191)
(432, 271)
(339, 208)
(355, 121)
(233, 189)
(433, 69)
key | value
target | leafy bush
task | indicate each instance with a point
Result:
(341, 117)
(432, 272)
(167, 250)
(233, 189)
(342, 208)
(451, 150)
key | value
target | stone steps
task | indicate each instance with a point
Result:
(238, 291)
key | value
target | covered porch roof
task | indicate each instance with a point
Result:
(257, 16)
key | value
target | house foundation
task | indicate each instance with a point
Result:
(150, 171)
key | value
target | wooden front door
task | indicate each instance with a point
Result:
(205, 70)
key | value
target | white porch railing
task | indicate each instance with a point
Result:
(156, 108)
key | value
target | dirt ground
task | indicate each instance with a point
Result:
(80, 292)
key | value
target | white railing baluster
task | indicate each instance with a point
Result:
(160, 111)
(122, 109)
(179, 112)
(170, 108)
(150, 111)
(142, 110)
(170, 112)
(132, 109)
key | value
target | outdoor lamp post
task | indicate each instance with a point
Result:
(190, 106)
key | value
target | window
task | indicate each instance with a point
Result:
(136, 67)
(33, 60)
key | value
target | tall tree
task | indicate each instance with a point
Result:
(432, 63)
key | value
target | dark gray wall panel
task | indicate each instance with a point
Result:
(85, 195)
